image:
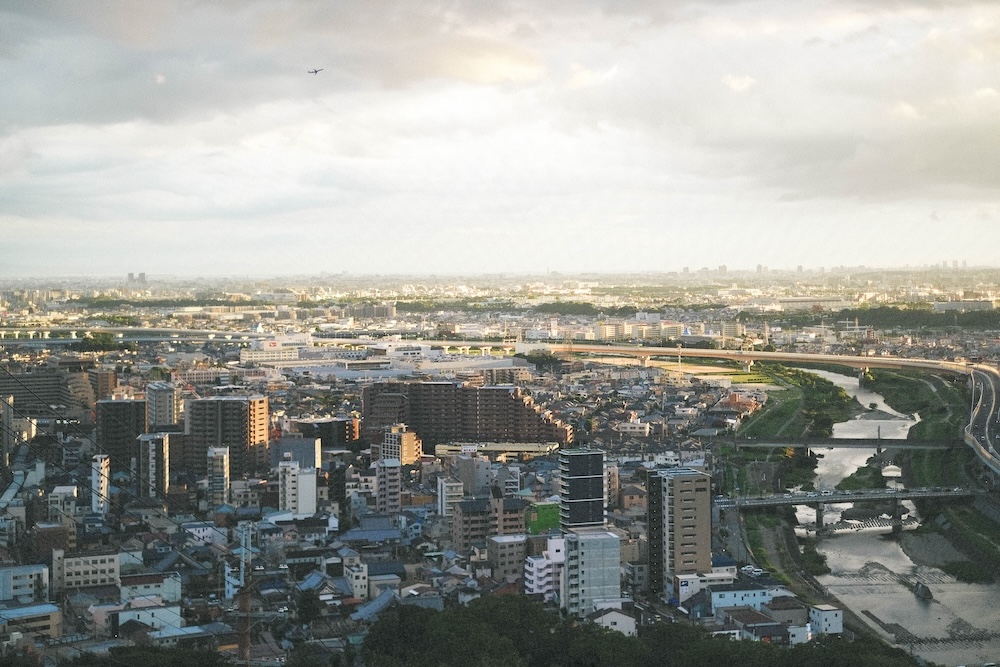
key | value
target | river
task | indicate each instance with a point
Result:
(960, 625)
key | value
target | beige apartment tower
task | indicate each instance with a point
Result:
(680, 525)
(401, 443)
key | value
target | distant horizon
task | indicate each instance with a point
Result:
(322, 275)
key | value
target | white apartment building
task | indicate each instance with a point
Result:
(826, 619)
(296, 488)
(62, 503)
(450, 492)
(24, 583)
(399, 443)
(100, 484)
(542, 574)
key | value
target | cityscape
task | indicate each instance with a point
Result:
(273, 470)
(461, 333)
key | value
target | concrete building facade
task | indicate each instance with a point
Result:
(237, 422)
(679, 520)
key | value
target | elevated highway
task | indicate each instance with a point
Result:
(68, 335)
(745, 356)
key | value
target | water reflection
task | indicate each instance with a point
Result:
(872, 575)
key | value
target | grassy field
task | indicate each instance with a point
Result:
(976, 528)
(750, 378)
(940, 467)
(781, 407)
(867, 477)
(808, 406)
(942, 406)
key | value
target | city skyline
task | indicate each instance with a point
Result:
(465, 138)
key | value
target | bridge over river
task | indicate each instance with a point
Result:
(818, 499)
(842, 443)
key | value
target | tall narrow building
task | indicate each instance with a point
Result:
(237, 422)
(592, 569)
(100, 484)
(103, 381)
(154, 465)
(296, 488)
(217, 464)
(582, 493)
(679, 519)
(8, 434)
(388, 486)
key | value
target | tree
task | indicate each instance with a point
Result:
(308, 606)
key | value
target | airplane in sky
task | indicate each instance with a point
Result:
(315, 71)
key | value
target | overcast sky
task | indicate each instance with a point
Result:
(187, 137)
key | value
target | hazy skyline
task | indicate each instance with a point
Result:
(468, 137)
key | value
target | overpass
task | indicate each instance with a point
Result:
(818, 499)
(67, 335)
(834, 497)
(750, 356)
(839, 443)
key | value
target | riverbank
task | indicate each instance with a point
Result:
(941, 404)
(929, 549)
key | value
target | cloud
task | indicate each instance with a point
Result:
(907, 111)
(739, 84)
(438, 121)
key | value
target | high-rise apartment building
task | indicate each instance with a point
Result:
(679, 519)
(163, 405)
(388, 486)
(296, 488)
(103, 381)
(100, 484)
(217, 464)
(449, 412)
(8, 433)
(582, 492)
(37, 391)
(592, 570)
(237, 422)
(119, 425)
(154, 465)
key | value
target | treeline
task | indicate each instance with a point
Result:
(512, 631)
(920, 316)
(99, 342)
(147, 656)
(583, 308)
(111, 304)
(461, 305)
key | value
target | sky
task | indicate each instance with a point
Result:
(187, 137)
